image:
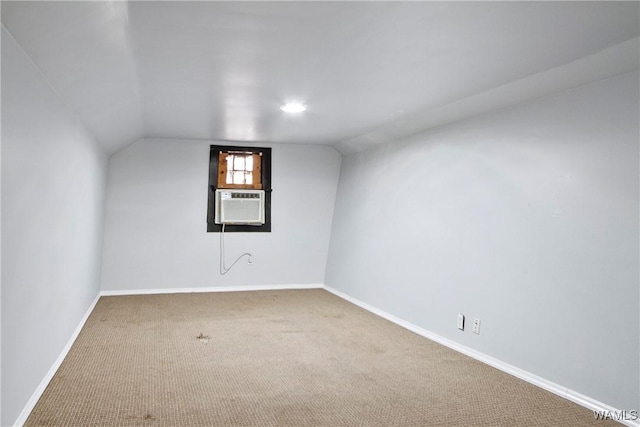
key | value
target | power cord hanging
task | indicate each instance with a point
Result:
(223, 269)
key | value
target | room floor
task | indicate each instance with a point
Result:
(294, 357)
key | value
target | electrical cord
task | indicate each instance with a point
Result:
(223, 269)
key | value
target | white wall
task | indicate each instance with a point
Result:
(155, 233)
(53, 190)
(526, 218)
(1, 246)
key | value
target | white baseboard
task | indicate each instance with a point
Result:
(22, 418)
(211, 289)
(573, 396)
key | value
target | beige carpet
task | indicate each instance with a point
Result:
(292, 358)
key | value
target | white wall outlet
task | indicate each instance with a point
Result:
(476, 326)
(461, 322)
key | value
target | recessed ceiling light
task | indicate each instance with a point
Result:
(293, 107)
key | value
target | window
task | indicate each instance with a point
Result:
(239, 169)
(244, 168)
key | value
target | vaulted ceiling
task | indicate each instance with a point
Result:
(370, 72)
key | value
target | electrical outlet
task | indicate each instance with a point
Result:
(461, 322)
(476, 326)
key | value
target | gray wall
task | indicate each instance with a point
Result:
(53, 191)
(526, 218)
(155, 233)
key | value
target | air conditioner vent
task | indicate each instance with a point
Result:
(239, 207)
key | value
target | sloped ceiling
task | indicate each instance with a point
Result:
(370, 72)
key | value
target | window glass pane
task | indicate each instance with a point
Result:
(248, 163)
(248, 177)
(238, 177)
(238, 163)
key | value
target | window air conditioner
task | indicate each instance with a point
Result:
(239, 207)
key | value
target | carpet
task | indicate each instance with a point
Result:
(277, 358)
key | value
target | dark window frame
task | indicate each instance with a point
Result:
(265, 174)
